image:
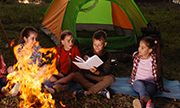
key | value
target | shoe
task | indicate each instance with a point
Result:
(15, 90)
(105, 93)
(48, 86)
(78, 93)
(49, 89)
(5, 91)
(137, 103)
(149, 104)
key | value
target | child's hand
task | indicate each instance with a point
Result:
(93, 69)
(10, 69)
(60, 74)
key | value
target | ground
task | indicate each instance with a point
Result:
(164, 15)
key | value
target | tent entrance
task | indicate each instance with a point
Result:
(96, 15)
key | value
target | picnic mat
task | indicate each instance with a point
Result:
(122, 86)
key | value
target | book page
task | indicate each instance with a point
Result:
(93, 61)
(81, 65)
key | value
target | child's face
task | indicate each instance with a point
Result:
(68, 42)
(144, 50)
(98, 46)
(31, 40)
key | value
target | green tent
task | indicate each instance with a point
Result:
(121, 19)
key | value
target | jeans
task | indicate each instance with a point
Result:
(144, 88)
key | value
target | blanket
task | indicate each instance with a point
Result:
(122, 86)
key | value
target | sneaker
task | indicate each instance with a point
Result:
(49, 89)
(78, 93)
(149, 104)
(15, 90)
(105, 93)
(48, 86)
(136, 103)
(5, 91)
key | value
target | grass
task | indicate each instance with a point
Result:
(16, 16)
(165, 16)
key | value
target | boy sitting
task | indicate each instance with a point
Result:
(100, 76)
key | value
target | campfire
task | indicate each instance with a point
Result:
(29, 78)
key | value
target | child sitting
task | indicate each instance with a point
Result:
(66, 54)
(100, 76)
(95, 80)
(145, 77)
(27, 51)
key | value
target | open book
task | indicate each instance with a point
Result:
(93, 61)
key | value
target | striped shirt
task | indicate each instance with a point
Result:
(154, 71)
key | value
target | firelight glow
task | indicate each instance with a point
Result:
(30, 77)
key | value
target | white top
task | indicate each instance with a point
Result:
(144, 70)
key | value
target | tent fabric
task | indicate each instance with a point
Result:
(121, 19)
(136, 17)
(54, 17)
(92, 16)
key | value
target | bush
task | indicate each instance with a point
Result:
(9, 1)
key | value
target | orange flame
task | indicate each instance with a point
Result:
(30, 78)
(61, 103)
(12, 43)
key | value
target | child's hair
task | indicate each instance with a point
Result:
(26, 31)
(150, 43)
(65, 33)
(155, 45)
(100, 35)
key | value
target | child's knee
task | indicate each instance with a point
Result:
(52, 79)
(109, 78)
(76, 75)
